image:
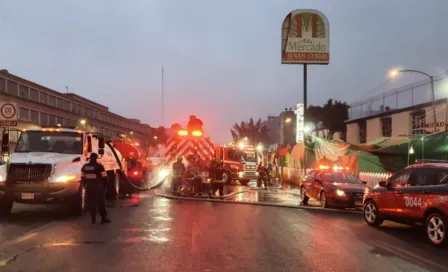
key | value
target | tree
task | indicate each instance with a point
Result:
(330, 118)
(256, 132)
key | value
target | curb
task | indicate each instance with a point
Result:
(204, 198)
(255, 203)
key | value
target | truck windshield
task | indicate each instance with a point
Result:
(249, 156)
(56, 142)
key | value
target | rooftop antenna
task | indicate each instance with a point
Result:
(66, 88)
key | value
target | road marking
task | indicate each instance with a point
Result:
(406, 254)
(26, 236)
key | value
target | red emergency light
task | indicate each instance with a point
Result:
(196, 133)
(182, 132)
(136, 173)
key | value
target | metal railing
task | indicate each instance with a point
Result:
(399, 98)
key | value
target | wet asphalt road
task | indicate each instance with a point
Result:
(157, 234)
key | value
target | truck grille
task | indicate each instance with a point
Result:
(28, 172)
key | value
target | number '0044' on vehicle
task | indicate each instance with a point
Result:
(412, 201)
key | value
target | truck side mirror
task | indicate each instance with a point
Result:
(89, 144)
(101, 142)
(101, 145)
(5, 143)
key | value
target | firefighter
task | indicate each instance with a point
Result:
(218, 179)
(194, 124)
(194, 172)
(178, 173)
(94, 180)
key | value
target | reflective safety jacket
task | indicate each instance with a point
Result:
(93, 174)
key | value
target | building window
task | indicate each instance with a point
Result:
(34, 95)
(59, 103)
(66, 105)
(34, 117)
(2, 85)
(52, 120)
(386, 127)
(43, 98)
(43, 119)
(362, 132)
(24, 92)
(52, 101)
(74, 107)
(12, 87)
(24, 114)
(418, 119)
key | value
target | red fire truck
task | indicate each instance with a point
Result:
(135, 166)
(187, 143)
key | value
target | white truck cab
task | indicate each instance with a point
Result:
(46, 167)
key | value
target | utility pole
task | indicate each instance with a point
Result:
(163, 105)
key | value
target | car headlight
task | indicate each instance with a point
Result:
(340, 192)
(63, 179)
(240, 174)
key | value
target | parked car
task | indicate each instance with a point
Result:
(417, 194)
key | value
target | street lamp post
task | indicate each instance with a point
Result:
(395, 73)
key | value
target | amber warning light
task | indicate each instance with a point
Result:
(182, 133)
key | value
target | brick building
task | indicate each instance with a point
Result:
(41, 106)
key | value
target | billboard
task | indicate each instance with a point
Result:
(305, 38)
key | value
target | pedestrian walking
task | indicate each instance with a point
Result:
(94, 180)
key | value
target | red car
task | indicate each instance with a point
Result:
(417, 194)
(333, 187)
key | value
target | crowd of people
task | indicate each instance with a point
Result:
(192, 177)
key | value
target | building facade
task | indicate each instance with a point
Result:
(40, 106)
(414, 120)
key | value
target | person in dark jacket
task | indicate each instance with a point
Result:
(218, 179)
(179, 170)
(94, 180)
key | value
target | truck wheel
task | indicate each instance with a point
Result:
(113, 186)
(79, 202)
(227, 177)
(5, 206)
(244, 182)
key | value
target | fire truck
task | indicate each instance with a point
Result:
(135, 164)
(242, 159)
(193, 143)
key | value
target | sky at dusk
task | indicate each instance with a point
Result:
(221, 58)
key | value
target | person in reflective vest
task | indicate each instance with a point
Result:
(178, 173)
(94, 180)
(218, 179)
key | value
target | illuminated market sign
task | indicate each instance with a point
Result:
(299, 123)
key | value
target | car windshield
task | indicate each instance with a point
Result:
(56, 142)
(340, 177)
(249, 156)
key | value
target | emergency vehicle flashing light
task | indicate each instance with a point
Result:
(194, 133)
(335, 168)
